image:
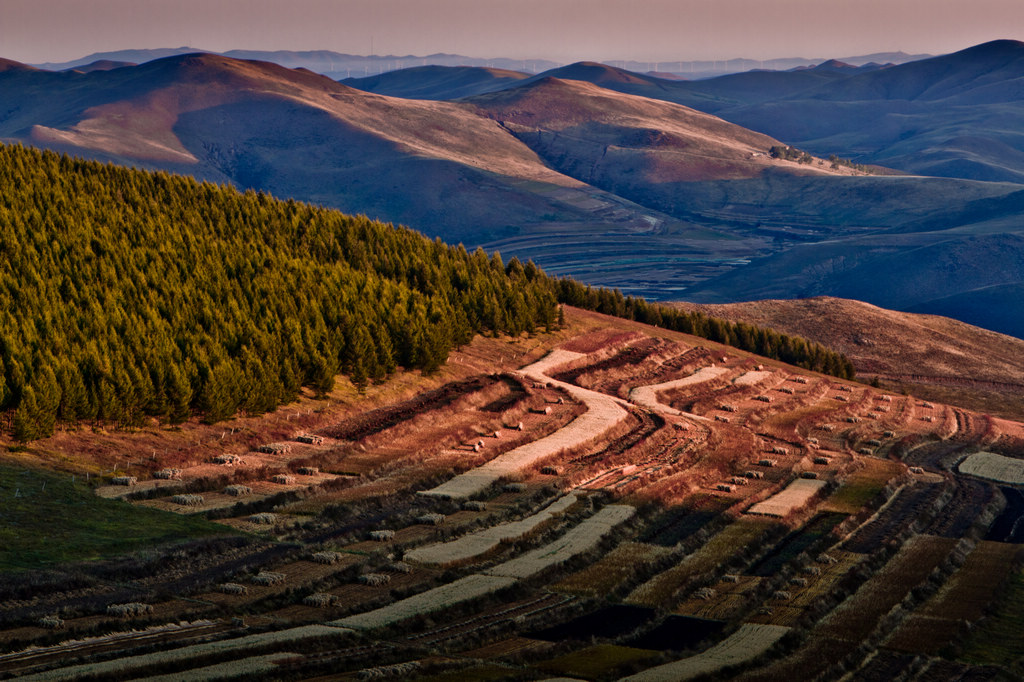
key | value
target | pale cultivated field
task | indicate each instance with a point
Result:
(480, 542)
(583, 537)
(120, 666)
(603, 413)
(792, 497)
(747, 643)
(255, 665)
(464, 589)
(751, 378)
(647, 396)
(994, 467)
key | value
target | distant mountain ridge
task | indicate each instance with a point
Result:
(621, 189)
(340, 65)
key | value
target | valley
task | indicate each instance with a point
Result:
(666, 189)
(608, 500)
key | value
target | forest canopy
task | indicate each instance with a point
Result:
(127, 294)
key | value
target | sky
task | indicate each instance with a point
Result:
(36, 31)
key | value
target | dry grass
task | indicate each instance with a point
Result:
(794, 496)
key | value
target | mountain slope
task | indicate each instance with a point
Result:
(437, 82)
(936, 357)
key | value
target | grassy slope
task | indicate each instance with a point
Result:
(47, 519)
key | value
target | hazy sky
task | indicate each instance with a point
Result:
(563, 30)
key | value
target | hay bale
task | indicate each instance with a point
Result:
(236, 490)
(167, 474)
(865, 451)
(841, 398)
(727, 408)
(853, 420)
(382, 535)
(889, 434)
(730, 578)
(705, 593)
(754, 474)
(233, 588)
(268, 578)
(738, 480)
(724, 487)
(822, 460)
(431, 519)
(308, 471)
(785, 389)
(375, 579)
(398, 567)
(781, 595)
(188, 500)
(124, 480)
(799, 582)
(549, 471)
(514, 487)
(799, 380)
(916, 470)
(326, 557)
(763, 398)
(766, 462)
(811, 570)
(129, 610)
(319, 599)
(720, 418)
(809, 474)
(826, 559)
(846, 388)
(310, 439)
(476, 505)
(283, 479)
(227, 459)
(264, 518)
(778, 450)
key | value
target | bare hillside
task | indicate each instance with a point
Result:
(928, 354)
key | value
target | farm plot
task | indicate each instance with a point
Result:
(796, 495)
(437, 599)
(963, 599)
(677, 523)
(474, 544)
(715, 554)
(582, 538)
(678, 633)
(994, 467)
(910, 505)
(193, 653)
(863, 485)
(997, 640)
(647, 396)
(725, 600)
(609, 622)
(751, 378)
(817, 529)
(603, 413)
(746, 644)
(601, 660)
(855, 618)
(601, 578)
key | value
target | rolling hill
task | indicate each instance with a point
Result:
(623, 190)
(932, 356)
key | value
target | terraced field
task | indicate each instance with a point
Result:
(606, 501)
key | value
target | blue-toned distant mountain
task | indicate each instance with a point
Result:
(617, 189)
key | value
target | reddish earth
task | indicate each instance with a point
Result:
(692, 461)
